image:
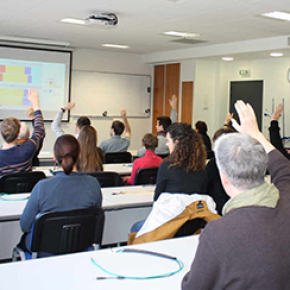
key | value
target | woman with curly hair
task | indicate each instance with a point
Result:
(91, 157)
(183, 170)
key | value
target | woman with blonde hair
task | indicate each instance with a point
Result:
(91, 157)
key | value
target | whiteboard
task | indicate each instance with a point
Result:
(97, 92)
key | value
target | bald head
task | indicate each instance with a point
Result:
(24, 131)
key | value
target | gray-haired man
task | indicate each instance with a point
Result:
(248, 248)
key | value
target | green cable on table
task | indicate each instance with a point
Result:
(7, 194)
(117, 276)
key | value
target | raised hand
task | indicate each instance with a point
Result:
(123, 113)
(33, 98)
(228, 119)
(249, 124)
(276, 115)
(173, 102)
(69, 106)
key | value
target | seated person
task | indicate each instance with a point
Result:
(248, 247)
(183, 170)
(66, 190)
(214, 185)
(91, 157)
(201, 128)
(56, 124)
(150, 159)
(162, 125)
(24, 135)
(274, 131)
(13, 157)
(116, 143)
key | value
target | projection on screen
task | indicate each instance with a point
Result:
(24, 69)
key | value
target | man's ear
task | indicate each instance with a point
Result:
(54, 158)
(224, 178)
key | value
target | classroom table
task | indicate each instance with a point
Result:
(122, 210)
(123, 169)
(77, 272)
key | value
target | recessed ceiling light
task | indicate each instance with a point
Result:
(278, 15)
(181, 34)
(73, 21)
(227, 58)
(276, 54)
(116, 46)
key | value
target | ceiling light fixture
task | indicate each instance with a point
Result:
(181, 34)
(73, 21)
(278, 15)
(276, 54)
(116, 46)
(33, 41)
(227, 58)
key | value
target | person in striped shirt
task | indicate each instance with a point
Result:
(13, 157)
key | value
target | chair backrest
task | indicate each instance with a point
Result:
(20, 182)
(118, 157)
(107, 178)
(67, 231)
(163, 155)
(146, 176)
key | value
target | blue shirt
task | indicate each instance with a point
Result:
(115, 144)
(60, 193)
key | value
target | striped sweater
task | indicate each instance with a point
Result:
(19, 158)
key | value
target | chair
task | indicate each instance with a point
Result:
(106, 179)
(163, 223)
(64, 232)
(20, 182)
(118, 157)
(163, 155)
(146, 176)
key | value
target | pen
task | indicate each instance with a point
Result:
(116, 193)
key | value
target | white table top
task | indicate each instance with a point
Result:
(49, 154)
(122, 168)
(76, 271)
(12, 210)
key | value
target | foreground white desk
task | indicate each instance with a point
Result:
(121, 212)
(76, 271)
(122, 168)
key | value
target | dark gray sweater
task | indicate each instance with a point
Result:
(249, 247)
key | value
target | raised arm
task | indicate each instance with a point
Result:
(274, 129)
(56, 123)
(173, 105)
(249, 125)
(38, 125)
(126, 123)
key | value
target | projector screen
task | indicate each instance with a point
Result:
(22, 69)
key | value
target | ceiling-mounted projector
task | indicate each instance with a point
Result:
(103, 18)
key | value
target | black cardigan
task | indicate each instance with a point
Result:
(175, 180)
(275, 138)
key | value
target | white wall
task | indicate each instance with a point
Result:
(106, 61)
(273, 72)
(212, 86)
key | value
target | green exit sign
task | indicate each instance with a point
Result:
(245, 72)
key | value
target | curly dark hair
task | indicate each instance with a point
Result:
(189, 152)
